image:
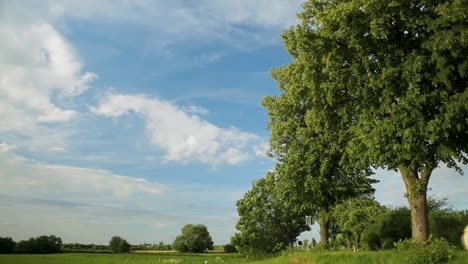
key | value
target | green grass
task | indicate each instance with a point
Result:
(381, 257)
(129, 258)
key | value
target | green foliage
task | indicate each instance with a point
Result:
(372, 84)
(7, 245)
(388, 228)
(445, 221)
(432, 251)
(229, 248)
(119, 245)
(266, 225)
(40, 245)
(194, 238)
(353, 216)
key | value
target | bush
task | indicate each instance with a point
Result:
(119, 245)
(432, 251)
(229, 248)
(7, 245)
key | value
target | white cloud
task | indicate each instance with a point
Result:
(20, 175)
(194, 109)
(38, 69)
(37, 62)
(4, 147)
(182, 136)
(262, 149)
(171, 22)
(91, 205)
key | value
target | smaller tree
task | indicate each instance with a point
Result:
(7, 245)
(354, 215)
(119, 245)
(194, 238)
(267, 224)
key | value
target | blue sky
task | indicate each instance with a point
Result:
(134, 118)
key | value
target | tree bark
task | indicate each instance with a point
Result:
(324, 234)
(324, 226)
(416, 189)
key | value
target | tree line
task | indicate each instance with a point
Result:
(35, 245)
(371, 84)
(194, 238)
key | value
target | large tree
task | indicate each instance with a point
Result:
(308, 138)
(393, 76)
(265, 225)
(194, 238)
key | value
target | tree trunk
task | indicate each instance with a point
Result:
(324, 234)
(416, 189)
(323, 221)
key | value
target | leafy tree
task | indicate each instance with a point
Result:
(119, 245)
(355, 215)
(308, 138)
(381, 83)
(194, 238)
(266, 226)
(7, 245)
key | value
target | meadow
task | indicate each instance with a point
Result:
(380, 257)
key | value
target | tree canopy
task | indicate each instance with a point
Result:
(374, 84)
(194, 238)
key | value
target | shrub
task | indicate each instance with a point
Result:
(432, 251)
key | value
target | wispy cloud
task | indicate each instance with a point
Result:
(91, 205)
(183, 136)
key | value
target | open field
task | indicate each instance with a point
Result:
(128, 258)
(382, 257)
(378, 257)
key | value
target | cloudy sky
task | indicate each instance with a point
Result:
(134, 118)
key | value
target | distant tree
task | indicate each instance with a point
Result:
(194, 238)
(119, 245)
(266, 225)
(40, 245)
(7, 245)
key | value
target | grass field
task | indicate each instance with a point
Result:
(129, 258)
(379, 257)
(382, 257)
